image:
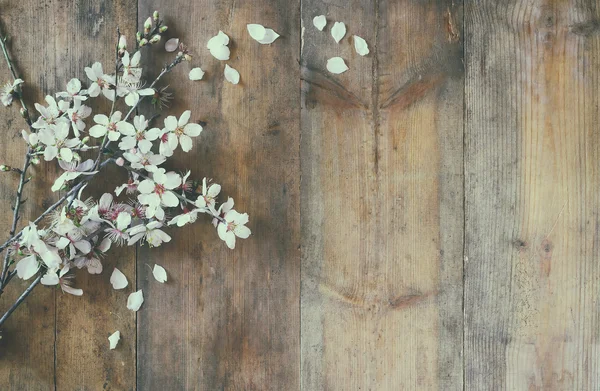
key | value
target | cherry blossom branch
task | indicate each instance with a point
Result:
(20, 299)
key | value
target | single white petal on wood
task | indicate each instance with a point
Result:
(338, 31)
(256, 31)
(113, 340)
(320, 22)
(159, 273)
(135, 300)
(118, 279)
(171, 45)
(360, 45)
(196, 74)
(231, 75)
(336, 65)
(270, 37)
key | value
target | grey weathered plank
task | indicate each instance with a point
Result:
(531, 154)
(83, 359)
(229, 319)
(382, 199)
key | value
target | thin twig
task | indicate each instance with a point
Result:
(20, 299)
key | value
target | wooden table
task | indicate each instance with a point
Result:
(427, 220)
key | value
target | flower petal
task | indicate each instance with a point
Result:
(336, 65)
(360, 45)
(135, 300)
(338, 31)
(172, 44)
(196, 74)
(231, 75)
(118, 279)
(320, 22)
(113, 340)
(159, 273)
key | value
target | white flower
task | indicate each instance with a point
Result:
(136, 135)
(101, 82)
(132, 92)
(27, 267)
(130, 187)
(74, 243)
(157, 192)
(181, 132)
(53, 278)
(206, 200)
(147, 161)
(117, 232)
(57, 144)
(131, 67)
(91, 260)
(218, 46)
(187, 217)
(52, 114)
(151, 232)
(233, 226)
(224, 208)
(106, 125)
(31, 139)
(8, 92)
(73, 92)
(76, 114)
(72, 171)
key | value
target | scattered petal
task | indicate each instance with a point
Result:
(218, 46)
(118, 279)
(338, 31)
(135, 300)
(232, 75)
(196, 74)
(336, 65)
(256, 31)
(114, 339)
(270, 37)
(172, 44)
(159, 273)
(320, 22)
(360, 45)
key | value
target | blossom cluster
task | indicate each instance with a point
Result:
(79, 233)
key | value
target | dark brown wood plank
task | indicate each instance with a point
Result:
(83, 324)
(382, 198)
(532, 149)
(27, 345)
(229, 319)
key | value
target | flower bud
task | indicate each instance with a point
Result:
(85, 140)
(5, 168)
(155, 39)
(143, 42)
(120, 162)
(148, 25)
(138, 36)
(187, 57)
(155, 16)
(35, 161)
(24, 113)
(163, 29)
(122, 43)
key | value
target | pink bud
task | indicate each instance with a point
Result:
(120, 162)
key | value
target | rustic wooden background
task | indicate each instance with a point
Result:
(427, 220)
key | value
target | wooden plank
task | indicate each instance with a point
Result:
(83, 358)
(27, 345)
(382, 199)
(532, 278)
(230, 319)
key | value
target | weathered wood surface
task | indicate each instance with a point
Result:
(531, 159)
(368, 193)
(382, 199)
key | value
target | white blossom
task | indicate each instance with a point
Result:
(180, 132)
(110, 126)
(137, 135)
(101, 82)
(73, 92)
(148, 161)
(158, 192)
(72, 171)
(57, 143)
(209, 194)
(151, 232)
(8, 92)
(233, 226)
(77, 114)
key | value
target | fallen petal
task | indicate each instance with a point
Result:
(135, 300)
(336, 65)
(114, 339)
(172, 44)
(360, 45)
(159, 273)
(320, 22)
(338, 31)
(196, 74)
(231, 75)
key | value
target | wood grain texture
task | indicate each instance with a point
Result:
(382, 199)
(230, 319)
(83, 324)
(27, 345)
(531, 158)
